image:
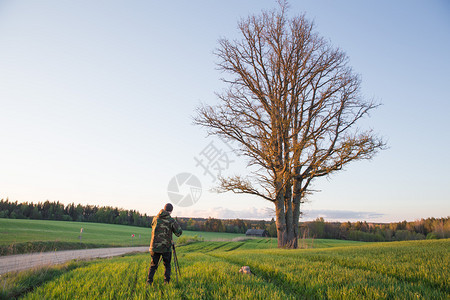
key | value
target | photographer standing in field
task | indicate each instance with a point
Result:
(163, 226)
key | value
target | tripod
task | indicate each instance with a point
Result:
(175, 260)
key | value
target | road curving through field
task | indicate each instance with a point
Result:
(11, 263)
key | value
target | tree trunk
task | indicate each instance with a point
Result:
(281, 218)
(286, 231)
(289, 218)
(296, 200)
(287, 207)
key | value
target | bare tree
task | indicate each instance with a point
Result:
(292, 104)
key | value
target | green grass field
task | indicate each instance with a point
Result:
(396, 270)
(22, 236)
(25, 236)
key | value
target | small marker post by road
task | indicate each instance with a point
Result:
(81, 233)
(132, 236)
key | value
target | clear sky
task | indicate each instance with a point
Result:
(97, 99)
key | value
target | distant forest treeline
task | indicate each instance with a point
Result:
(80, 213)
(430, 228)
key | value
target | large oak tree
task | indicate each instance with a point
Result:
(293, 105)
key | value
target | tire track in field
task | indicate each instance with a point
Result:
(215, 248)
(235, 247)
(133, 290)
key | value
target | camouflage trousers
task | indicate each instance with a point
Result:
(156, 257)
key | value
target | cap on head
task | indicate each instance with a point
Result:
(168, 207)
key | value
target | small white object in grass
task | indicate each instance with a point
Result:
(245, 270)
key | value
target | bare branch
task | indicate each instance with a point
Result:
(239, 185)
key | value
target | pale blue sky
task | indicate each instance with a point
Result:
(96, 100)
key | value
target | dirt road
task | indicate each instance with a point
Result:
(20, 262)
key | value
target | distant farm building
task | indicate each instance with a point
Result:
(257, 232)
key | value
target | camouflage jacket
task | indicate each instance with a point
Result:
(163, 226)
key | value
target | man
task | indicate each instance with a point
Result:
(163, 226)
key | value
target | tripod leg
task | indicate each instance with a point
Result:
(176, 269)
(175, 260)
